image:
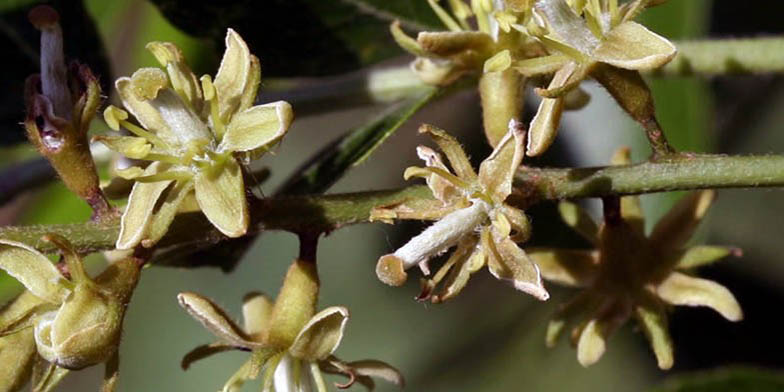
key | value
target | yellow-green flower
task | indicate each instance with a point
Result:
(631, 274)
(288, 340)
(594, 38)
(472, 214)
(193, 132)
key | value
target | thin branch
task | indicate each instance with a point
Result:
(727, 57)
(322, 214)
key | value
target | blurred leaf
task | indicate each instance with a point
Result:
(729, 380)
(330, 164)
(414, 14)
(291, 37)
(19, 41)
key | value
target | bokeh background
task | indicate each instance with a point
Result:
(490, 338)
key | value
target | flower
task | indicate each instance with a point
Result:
(193, 133)
(598, 39)
(76, 322)
(287, 339)
(630, 274)
(472, 214)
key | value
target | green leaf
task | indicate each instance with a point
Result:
(413, 14)
(726, 379)
(351, 150)
(334, 35)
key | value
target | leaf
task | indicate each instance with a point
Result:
(330, 164)
(336, 36)
(413, 14)
(725, 380)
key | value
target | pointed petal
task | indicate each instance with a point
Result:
(165, 213)
(232, 76)
(251, 85)
(213, 318)
(591, 344)
(246, 372)
(111, 373)
(496, 173)
(180, 75)
(453, 150)
(544, 126)
(408, 44)
(678, 225)
(378, 369)
(508, 263)
(452, 43)
(681, 289)
(34, 270)
(221, 196)
(19, 313)
(141, 203)
(697, 256)
(463, 261)
(204, 351)
(256, 311)
(258, 126)
(147, 116)
(565, 266)
(582, 303)
(653, 320)
(578, 219)
(632, 46)
(321, 335)
(576, 99)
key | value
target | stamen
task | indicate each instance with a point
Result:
(141, 132)
(444, 16)
(211, 95)
(482, 20)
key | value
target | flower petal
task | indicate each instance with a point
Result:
(544, 126)
(632, 46)
(454, 152)
(232, 76)
(182, 78)
(256, 311)
(567, 312)
(17, 353)
(149, 117)
(214, 319)
(565, 266)
(204, 351)
(497, 171)
(165, 213)
(678, 225)
(46, 375)
(221, 196)
(292, 375)
(509, 263)
(452, 43)
(702, 255)
(34, 270)
(653, 320)
(141, 203)
(591, 344)
(258, 126)
(578, 219)
(321, 335)
(378, 369)
(681, 289)
(20, 312)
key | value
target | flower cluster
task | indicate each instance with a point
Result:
(521, 40)
(472, 214)
(193, 132)
(631, 274)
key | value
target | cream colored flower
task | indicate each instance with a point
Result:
(595, 38)
(291, 344)
(193, 133)
(472, 215)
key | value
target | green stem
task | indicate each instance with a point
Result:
(727, 56)
(321, 214)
